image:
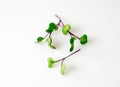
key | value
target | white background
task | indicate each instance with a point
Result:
(23, 63)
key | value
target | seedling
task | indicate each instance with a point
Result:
(51, 62)
(83, 39)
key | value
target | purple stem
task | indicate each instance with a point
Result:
(49, 35)
(60, 20)
(46, 35)
(67, 56)
(71, 34)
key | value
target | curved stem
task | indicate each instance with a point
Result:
(49, 35)
(60, 20)
(71, 34)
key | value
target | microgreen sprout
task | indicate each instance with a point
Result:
(66, 29)
(52, 27)
(51, 62)
(83, 39)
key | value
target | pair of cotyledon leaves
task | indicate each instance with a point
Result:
(83, 38)
(51, 63)
(51, 28)
(65, 30)
(49, 41)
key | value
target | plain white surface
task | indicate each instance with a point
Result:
(24, 63)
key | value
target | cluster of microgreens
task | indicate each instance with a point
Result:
(65, 30)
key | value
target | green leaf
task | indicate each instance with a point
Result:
(50, 62)
(52, 27)
(62, 69)
(40, 39)
(53, 47)
(50, 30)
(83, 39)
(72, 39)
(65, 29)
(49, 41)
(56, 28)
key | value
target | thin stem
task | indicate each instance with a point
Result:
(58, 24)
(73, 35)
(62, 62)
(60, 20)
(49, 35)
(46, 35)
(67, 56)
(70, 35)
